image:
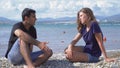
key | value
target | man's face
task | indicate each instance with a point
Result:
(32, 19)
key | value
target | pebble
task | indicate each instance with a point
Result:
(59, 61)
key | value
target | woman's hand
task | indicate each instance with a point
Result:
(68, 51)
(110, 59)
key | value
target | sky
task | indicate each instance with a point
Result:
(12, 9)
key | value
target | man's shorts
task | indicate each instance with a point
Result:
(15, 57)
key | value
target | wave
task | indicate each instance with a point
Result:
(114, 50)
(117, 24)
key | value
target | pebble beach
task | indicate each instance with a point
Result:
(58, 60)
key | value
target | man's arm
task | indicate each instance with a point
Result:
(31, 47)
(27, 38)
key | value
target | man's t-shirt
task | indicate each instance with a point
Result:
(13, 37)
(92, 46)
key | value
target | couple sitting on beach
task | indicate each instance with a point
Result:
(23, 37)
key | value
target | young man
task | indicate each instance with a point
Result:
(22, 39)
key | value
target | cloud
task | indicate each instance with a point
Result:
(57, 8)
(108, 6)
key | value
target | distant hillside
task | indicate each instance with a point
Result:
(100, 18)
(114, 18)
(6, 20)
(62, 19)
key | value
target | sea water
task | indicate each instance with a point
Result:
(60, 34)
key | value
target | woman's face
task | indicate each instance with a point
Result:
(83, 18)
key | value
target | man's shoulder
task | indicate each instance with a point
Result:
(18, 23)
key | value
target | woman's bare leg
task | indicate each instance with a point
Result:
(76, 49)
(78, 57)
(77, 54)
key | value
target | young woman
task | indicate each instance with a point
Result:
(89, 29)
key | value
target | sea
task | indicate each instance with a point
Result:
(60, 34)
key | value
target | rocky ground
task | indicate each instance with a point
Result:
(59, 61)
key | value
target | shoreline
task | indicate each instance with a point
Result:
(3, 49)
(58, 60)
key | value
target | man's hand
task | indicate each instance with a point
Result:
(44, 47)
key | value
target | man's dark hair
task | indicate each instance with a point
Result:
(27, 12)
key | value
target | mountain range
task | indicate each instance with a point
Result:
(4, 20)
(113, 18)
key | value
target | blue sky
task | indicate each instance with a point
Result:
(57, 8)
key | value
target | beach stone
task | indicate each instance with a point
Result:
(58, 60)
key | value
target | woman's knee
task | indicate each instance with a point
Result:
(71, 59)
(65, 50)
(68, 56)
(51, 53)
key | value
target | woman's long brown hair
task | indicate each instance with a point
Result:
(89, 13)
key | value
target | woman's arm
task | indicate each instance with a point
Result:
(76, 39)
(69, 49)
(99, 38)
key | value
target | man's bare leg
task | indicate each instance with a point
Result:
(42, 58)
(26, 54)
(25, 39)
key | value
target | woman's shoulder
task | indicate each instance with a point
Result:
(94, 23)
